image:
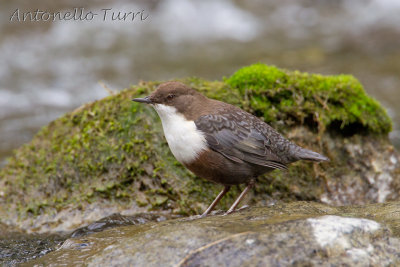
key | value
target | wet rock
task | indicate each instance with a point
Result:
(117, 219)
(298, 233)
(110, 156)
(17, 246)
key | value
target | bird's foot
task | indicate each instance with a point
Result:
(195, 217)
(231, 211)
(243, 207)
(214, 212)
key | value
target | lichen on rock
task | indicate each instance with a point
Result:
(111, 155)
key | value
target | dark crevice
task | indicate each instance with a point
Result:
(311, 123)
(347, 130)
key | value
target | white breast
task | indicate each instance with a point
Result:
(184, 140)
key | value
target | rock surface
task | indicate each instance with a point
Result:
(110, 156)
(298, 233)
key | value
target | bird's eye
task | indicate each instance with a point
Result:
(170, 96)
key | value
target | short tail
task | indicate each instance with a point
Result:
(306, 154)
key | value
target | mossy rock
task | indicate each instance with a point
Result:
(113, 153)
(335, 102)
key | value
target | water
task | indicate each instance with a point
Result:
(50, 68)
(18, 247)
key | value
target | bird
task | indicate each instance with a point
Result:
(220, 142)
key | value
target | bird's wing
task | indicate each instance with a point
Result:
(238, 140)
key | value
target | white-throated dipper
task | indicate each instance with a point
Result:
(221, 142)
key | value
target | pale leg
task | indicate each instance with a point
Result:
(217, 199)
(249, 186)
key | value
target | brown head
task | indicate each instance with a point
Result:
(178, 95)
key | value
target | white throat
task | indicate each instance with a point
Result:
(184, 139)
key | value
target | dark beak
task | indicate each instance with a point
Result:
(143, 100)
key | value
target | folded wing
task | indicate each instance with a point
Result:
(239, 141)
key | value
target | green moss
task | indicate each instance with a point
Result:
(114, 149)
(331, 102)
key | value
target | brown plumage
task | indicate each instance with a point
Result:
(221, 142)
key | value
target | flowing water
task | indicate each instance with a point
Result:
(49, 68)
(18, 247)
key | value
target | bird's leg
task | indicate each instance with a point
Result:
(216, 200)
(249, 186)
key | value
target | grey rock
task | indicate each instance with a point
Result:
(298, 233)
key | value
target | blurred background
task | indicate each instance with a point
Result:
(49, 68)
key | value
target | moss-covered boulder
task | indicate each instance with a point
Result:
(110, 156)
(334, 102)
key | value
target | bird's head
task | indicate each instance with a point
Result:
(172, 95)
